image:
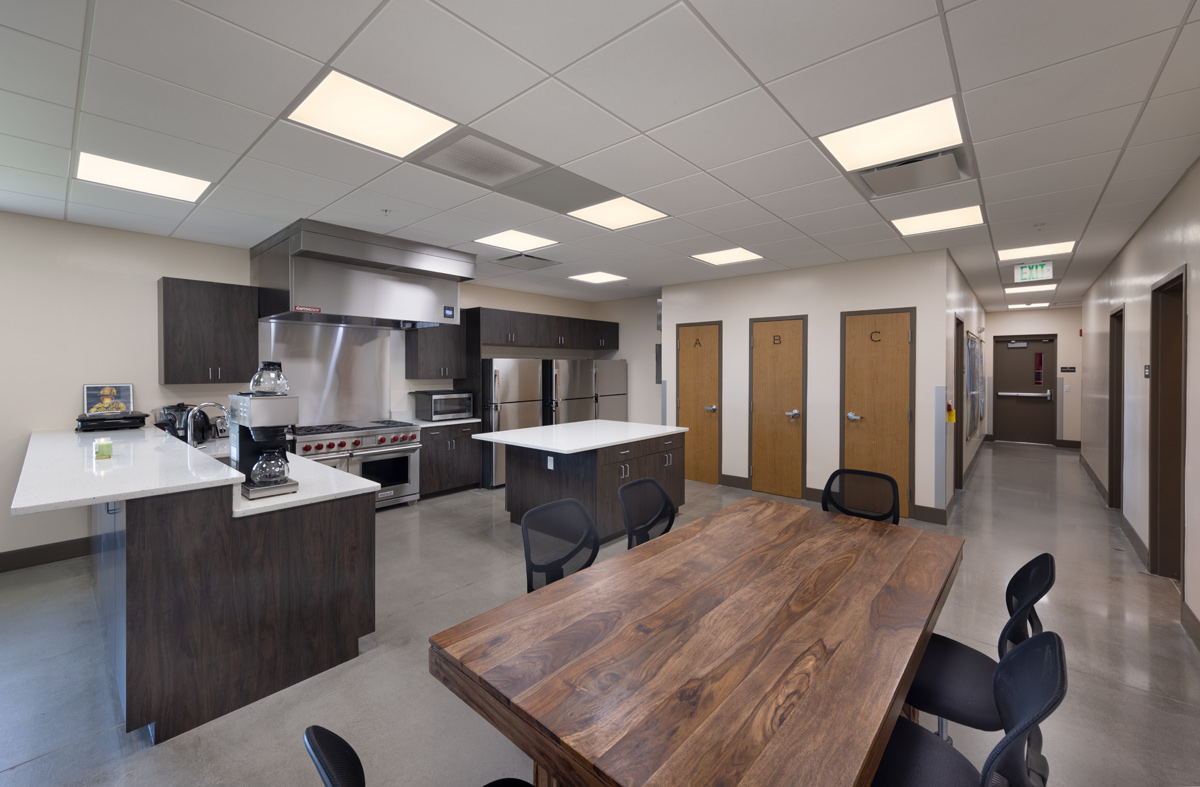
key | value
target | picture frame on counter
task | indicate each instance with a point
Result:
(108, 398)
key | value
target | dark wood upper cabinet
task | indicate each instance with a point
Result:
(435, 353)
(208, 332)
(520, 329)
(608, 335)
(495, 326)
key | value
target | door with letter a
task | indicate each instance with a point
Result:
(698, 377)
(777, 398)
(877, 403)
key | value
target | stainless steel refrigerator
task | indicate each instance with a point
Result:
(586, 390)
(612, 390)
(512, 399)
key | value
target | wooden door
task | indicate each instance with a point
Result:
(777, 406)
(699, 399)
(877, 400)
(1168, 403)
(1026, 376)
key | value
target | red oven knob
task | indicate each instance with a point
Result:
(320, 446)
(308, 448)
(341, 443)
(402, 437)
(383, 439)
(395, 439)
(357, 442)
(412, 437)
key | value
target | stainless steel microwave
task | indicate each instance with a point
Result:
(443, 405)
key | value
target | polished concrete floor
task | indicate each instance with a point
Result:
(1131, 716)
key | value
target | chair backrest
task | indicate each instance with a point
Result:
(863, 493)
(1029, 683)
(560, 539)
(647, 509)
(336, 760)
(1028, 586)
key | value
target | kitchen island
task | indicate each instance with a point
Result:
(210, 601)
(589, 461)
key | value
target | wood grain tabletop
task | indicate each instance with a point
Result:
(765, 644)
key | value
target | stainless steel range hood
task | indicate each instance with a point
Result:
(322, 273)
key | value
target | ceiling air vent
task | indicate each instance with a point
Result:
(525, 262)
(481, 161)
(919, 173)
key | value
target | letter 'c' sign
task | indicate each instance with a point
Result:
(873, 335)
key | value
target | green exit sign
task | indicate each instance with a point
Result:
(1034, 271)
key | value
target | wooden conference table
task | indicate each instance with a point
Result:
(766, 644)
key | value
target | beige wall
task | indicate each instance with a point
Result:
(1167, 240)
(639, 334)
(963, 304)
(1066, 323)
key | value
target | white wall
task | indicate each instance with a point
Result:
(1066, 323)
(961, 303)
(822, 293)
(1167, 240)
(639, 334)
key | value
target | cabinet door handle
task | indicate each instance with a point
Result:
(667, 442)
(455, 442)
(467, 429)
(210, 372)
(431, 434)
(624, 452)
(218, 372)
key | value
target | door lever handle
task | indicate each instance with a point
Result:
(712, 409)
(853, 417)
(793, 414)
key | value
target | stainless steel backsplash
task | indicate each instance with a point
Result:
(340, 373)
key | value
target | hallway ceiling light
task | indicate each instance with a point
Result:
(599, 277)
(727, 256)
(1046, 250)
(1035, 288)
(513, 240)
(123, 175)
(897, 137)
(940, 221)
(360, 113)
(618, 213)
(1028, 305)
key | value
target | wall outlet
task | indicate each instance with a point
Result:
(549, 463)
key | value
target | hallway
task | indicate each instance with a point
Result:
(1131, 716)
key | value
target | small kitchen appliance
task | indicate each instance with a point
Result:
(106, 422)
(258, 434)
(443, 405)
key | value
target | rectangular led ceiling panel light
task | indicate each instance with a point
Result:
(939, 222)
(1028, 305)
(360, 113)
(599, 277)
(514, 240)
(1021, 290)
(618, 213)
(727, 256)
(897, 137)
(1045, 250)
(123, 175)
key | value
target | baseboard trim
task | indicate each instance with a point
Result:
(16, 559)
(1191, 624)
(1139, 546)
(1068, 444)
(989, 438)
(735, 481)
(935, 515)
(1095, 479)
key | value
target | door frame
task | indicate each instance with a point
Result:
(960, 371)
(1179, 275)
(720, 385)
(1116, 410)
(803, 400)
(1027, 337)
(912, 397)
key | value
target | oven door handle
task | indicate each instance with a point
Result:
(374, 452)
(339, 455)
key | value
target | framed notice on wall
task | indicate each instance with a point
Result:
(976, 385)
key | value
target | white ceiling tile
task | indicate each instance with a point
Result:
(633, 165)
(210, 225)
(1165, 156)
(1176, 115)
(1054, 202)
(608, 243)
(729, 217)
(1124, 211)
(698, 245)
(426, 187)
(487, 270)
(119, 219)
(1195, 17)
(118, 93)
(220, 236)
(811, 259)
(777, 37)
(32, 205)
(184, 45)
(854, 236)
(31, 118)
(1183, 66)
(687, 195)
(785, 168)
(812, 198)
(37, 184)
(662, 231)
(354, 220)
(1069, 139)
(460, 228)
(1034, 239)
(104, 137)
(1146, 187)
(998, 39)
(567, 253)
(943, 240)
(34, 156)
(85, 193)
(646, 255)
(273, 180)
(753, 267)
(60, 21)
(917, 203)
(761, 234)
(668, 67)
(1068, 223)
(1092, 83)
(857, 215)
(230, 198)
(783, 250)
(296, 147)
(972, 258)
(503, 211)
(563, 229)
(907, 69)
(38, 68)
(567, 124)
(1061, 176)
(732, 130)
(695, 270)
(869, 251)
(432, 238)
(315, 27)
(489, 253)
(425, 55)
(1106, 238)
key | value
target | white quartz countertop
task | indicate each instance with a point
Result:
(579, 436)
(318, 483)
(454, 422)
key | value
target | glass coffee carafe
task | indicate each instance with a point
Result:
(271, 468)
(269, 380)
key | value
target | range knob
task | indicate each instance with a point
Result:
(308, 448)
(341, 443)
(402, 437)
(412, 437)
(395, 439)
(357, 442)
(383, 439)
(320, 446)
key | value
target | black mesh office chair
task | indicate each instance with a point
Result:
(1028, 684)
(954, 681)
(560, 539)
(647, 509)
(339, 766)
(863, 494)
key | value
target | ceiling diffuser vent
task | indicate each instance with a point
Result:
(525, 262)
(919, 173)
(481, 161)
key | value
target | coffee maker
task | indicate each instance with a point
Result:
(257, 435)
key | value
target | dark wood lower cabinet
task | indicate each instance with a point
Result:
(450, 458)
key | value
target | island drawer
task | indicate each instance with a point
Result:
(638, 449)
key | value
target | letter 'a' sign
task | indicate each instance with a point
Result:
(1033, 271)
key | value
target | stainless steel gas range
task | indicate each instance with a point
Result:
(387, 452)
